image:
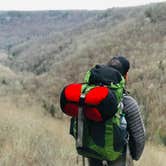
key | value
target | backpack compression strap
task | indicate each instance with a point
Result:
(80, 124)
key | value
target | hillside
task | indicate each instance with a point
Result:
(40, 52)
(27, 137)
(61, 34)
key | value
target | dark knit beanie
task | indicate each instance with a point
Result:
(120, 63)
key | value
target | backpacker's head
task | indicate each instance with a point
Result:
(121, 64)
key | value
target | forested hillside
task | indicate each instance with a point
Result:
(40, 52)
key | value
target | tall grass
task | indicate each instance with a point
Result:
(30, 138)
(153, 155)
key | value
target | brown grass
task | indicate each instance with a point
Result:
(27, 137)
(30, 138)
(153, 155)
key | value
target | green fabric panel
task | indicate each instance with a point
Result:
(108, 150)
(87, 76)
(118, 88)
(87, 88)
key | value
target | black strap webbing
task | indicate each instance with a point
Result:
(80, 127)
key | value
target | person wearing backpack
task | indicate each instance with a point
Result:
(106, 122)
(135, 126)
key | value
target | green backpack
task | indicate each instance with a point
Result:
(106, 139)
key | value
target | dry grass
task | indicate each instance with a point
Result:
(30, 138)
(153, 155)
(27, 137)
(65, 57)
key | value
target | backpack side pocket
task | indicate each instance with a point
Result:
(120, 137)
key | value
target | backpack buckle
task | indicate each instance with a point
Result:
(121, 105)
(82, 99)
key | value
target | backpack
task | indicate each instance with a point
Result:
(97, 111)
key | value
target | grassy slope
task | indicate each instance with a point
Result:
(62, 58)
(28, 137)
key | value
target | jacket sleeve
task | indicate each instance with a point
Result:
(135, 127)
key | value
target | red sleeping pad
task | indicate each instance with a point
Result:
(99, 103)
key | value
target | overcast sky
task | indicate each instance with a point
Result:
(68, 4)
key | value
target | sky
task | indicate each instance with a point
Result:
(69, 4)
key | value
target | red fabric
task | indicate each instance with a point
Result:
(73, 92)
(71, 109)
(93, 114)
(96, 95)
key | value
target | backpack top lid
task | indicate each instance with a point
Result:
(106, 76)
(103, 75)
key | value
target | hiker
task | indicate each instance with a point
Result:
(106, 123)
(135, 126)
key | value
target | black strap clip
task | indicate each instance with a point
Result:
(82, 100)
